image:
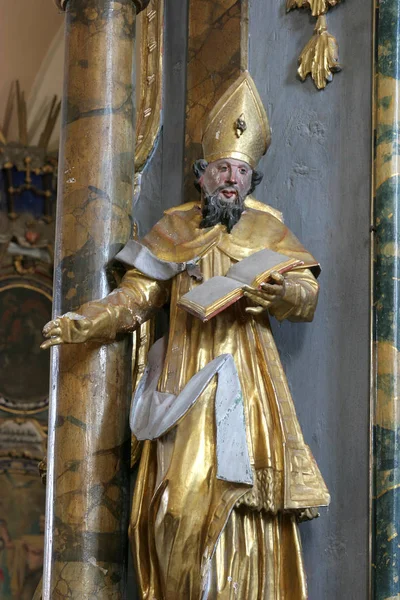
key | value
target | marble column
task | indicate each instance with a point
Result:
(386, 306)
(217, 52)
(89, 439)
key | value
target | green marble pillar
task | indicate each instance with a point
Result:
(89, 440)
(386, 307)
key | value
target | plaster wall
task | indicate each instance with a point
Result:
(26, 31)
(48, 82)
(317, 172)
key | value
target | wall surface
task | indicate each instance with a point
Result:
(27, 29)
(48, 82)
(317, 172)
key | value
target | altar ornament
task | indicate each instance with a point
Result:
(320, 57)
(29, 171)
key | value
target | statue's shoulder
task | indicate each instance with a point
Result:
(177, 225)
(177, 236)
(183, 208)
(250, 203)
(253, 204)
(264, 227)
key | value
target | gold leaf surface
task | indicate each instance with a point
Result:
(317, 7)
(319, 57)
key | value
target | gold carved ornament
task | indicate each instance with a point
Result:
(149, 76)
(320, 56)
(148, 122)
(149, 81)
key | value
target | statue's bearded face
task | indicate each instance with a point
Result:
(225, 183)
(227, 179)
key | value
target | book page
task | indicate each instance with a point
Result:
(249, 268)
(211, 291)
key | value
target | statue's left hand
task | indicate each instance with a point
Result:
(269, 294)
(66, 330)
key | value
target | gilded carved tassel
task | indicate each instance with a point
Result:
(319, 57)
(317, 7)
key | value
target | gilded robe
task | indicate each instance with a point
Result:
(194, 535)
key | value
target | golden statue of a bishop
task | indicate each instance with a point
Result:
(224, 474)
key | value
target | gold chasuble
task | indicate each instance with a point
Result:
(196, 536)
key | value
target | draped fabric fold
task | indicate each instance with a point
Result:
(154, 413)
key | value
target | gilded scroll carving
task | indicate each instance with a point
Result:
(320, 56)
(317, 7)
(149, 81)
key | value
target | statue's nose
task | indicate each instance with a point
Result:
(232, 176)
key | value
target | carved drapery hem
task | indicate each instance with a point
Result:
(266, 493)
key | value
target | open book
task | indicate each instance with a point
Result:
(217, 293)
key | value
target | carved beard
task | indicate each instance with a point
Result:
(217, 211)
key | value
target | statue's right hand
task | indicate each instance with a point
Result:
(67, 330)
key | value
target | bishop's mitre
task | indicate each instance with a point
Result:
(237, 126)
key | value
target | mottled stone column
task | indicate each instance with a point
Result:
(386, 302)
(89, 440)
(217, 51)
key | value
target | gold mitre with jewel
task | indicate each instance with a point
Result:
(237, 127)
